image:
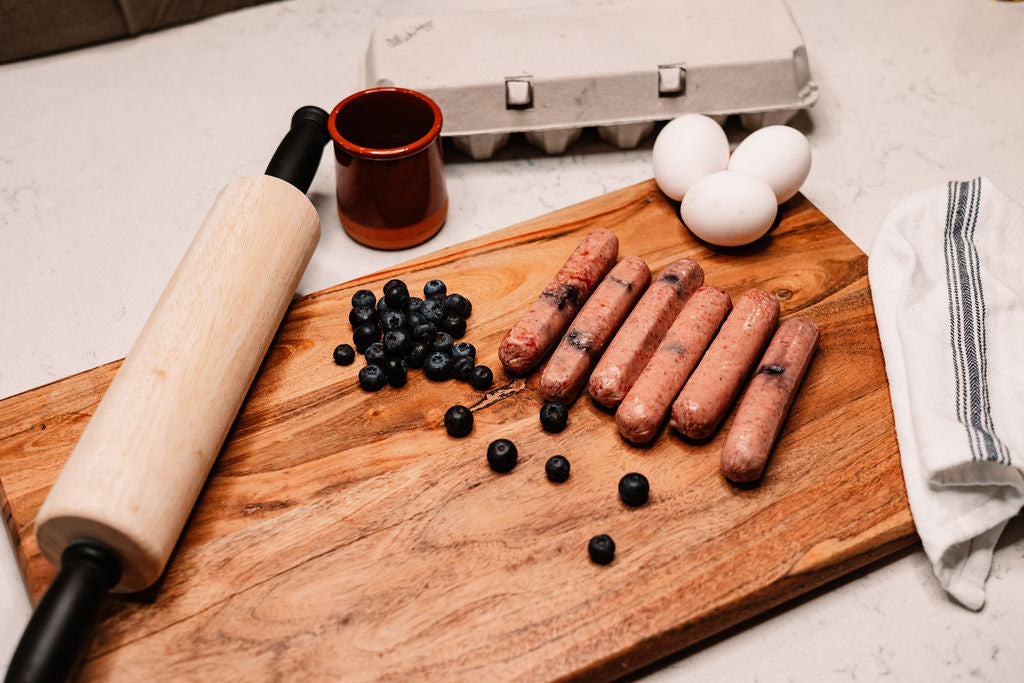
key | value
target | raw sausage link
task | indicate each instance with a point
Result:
(545, 321)
(570, 364)
(710, 391)
(647, 404)
(764, 406)
(643, 330)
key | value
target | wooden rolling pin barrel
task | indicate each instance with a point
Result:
(115, 513)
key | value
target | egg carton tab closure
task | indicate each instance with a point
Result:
(620, 66)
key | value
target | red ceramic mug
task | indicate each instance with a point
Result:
(388, 167)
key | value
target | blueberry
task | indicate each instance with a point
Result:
(553, 416)
(502, 455)
(437, 366)
(417, 354)
(391, 283)
(557, 468)
(458, 304)
(397, 342)
(414, 305)
(443, 342)
(382, 305)
(396, 372)
(363, 297)
(464, 350)
(435, 289)
(458, 420)
(634, 489)
(364, 335)
(392, 319)
(601, 549)
(397, 297)
(375, 354)
(344, 354)
(424, 332)
(372, 378)
(362, 315)
(462, 369)
(454, 325)
(412, 319)
(482, 377)
(433, 310)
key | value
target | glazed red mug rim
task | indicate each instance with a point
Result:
(389, 152)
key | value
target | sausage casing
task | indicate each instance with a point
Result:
(547, 318)
(635, 343)
(713, 386)
(767, 400)
(647, 403)
(545, 321)
(569, 367)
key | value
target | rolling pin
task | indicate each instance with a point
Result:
(115, 512)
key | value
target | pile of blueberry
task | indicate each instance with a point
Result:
(399, 332)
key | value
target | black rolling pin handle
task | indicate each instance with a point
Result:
(298, 155)
(62, 622)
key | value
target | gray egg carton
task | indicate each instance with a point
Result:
(620, 66)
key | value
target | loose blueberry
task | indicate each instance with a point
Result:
(375, 354)
(437, 366)
(417, 354)
(397, 297)
(364, 335)
(391, 283)
(433, 310)
(458, 420)
(557, 468)
(424, 332)
(362, 315)
(454, 325)
(344, 354)
(382, 306)
(414, 305)
(363, 297)
(435, 289)
(414, 318)
(396, 372)
(372, 378)
(553, 416)
(482, 377)
(502, 455)
(464, 350)
(443, 342)
(462, 369)
(392, 319)
(601, 549)
(634, 489)
(458, 304)
(397, 342)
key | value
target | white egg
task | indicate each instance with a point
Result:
(779, 155)
(687, 149)
(729, 208)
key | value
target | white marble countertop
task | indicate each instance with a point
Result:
(111, 155)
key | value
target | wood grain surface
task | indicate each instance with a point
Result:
(345, 535)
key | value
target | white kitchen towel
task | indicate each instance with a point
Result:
(947, 279)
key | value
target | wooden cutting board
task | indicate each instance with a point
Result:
(345, 535)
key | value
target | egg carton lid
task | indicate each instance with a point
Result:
(615, 64)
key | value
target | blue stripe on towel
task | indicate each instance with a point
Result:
(967, 332)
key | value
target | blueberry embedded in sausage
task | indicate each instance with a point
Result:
(601, 549)
(502, 455)
(344, 354)
(372, 378)
(458, 420)
(634, 489)
(364, 335)
(482, 377)
(557, 469)
(553, 416)
(364, 297)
